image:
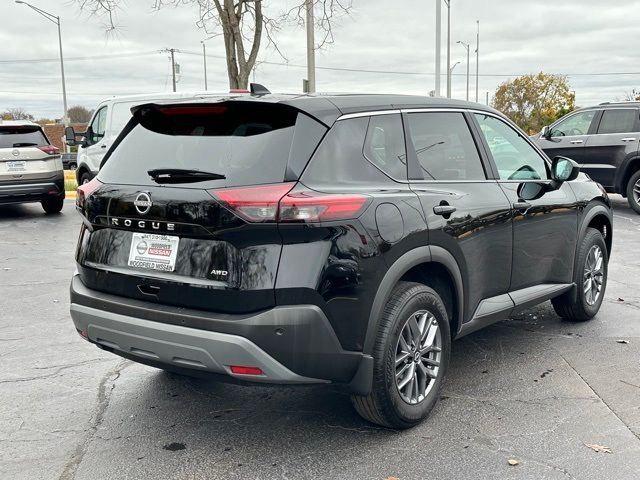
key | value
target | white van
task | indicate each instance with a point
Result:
(107, 122)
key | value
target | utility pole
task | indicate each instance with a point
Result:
(449, 69)
(466, 46)
(172, 52)
(311, 53)
(478, 60)
(438, 44)
(204, 58)
(54, 19)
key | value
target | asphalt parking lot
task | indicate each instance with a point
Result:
(533, 389)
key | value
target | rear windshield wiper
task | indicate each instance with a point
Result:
(181, 175)
(25, 144)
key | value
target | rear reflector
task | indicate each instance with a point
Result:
(245, 370)
(277, 203)
(50, 149)
(84, 191)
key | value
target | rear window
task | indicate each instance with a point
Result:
(11, 137)
(248, 142)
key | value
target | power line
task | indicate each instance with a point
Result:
(296, 65)
(88, 57)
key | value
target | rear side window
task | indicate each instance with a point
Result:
(445, 147)
(384, 145)
(618, 121)
(340, 158)
(248, 142)
(12, 137)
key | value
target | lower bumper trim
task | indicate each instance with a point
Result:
(181, 347)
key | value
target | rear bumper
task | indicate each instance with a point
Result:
(29, 190)
(291, 345)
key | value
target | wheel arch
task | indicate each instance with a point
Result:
(630, 167)
(430, 265)
(598, 216)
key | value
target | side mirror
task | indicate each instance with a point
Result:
(546, 132)
(564, 169)
(70, 136)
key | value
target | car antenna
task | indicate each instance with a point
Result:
(257, 89)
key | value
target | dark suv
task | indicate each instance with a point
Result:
(604, 141)
(329, 239)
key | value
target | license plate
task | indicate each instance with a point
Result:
(17, 166)
(153, 252)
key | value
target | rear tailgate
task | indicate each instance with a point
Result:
(25, 154)
(177, 244)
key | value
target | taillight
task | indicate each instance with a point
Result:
(84, 191)
(277, 203)
(254, 204)
(307, 206)
(49, 149)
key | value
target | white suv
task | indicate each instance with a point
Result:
(30, 167)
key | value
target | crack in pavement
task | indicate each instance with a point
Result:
(52, 374)
(103, 397)
(601, 399)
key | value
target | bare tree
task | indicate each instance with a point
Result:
(632, 96)
(241, 23)
(16, 114)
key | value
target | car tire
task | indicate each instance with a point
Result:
(52, 205)
(390, 403)
(85, 178)
(633, 191)
(590, 280)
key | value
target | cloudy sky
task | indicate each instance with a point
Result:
(594, 42)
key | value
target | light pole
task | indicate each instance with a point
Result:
(438, 44)
(204, 58)
(54, 19)
(450, 69)
(466, 46)
(477, 59)
(311, 53)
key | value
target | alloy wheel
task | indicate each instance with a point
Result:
(418, 356)
(593, 275)
(636, 192)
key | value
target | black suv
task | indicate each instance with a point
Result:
(604, 141)
(329, 239)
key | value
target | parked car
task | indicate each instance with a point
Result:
(69, 161)
(30, 167)
(107, 122)
(329, 239)
(604, 140)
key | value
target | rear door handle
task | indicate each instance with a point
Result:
(629, 139)
(521, 205)
(103, 146)
(443, 209)
(576, 142)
